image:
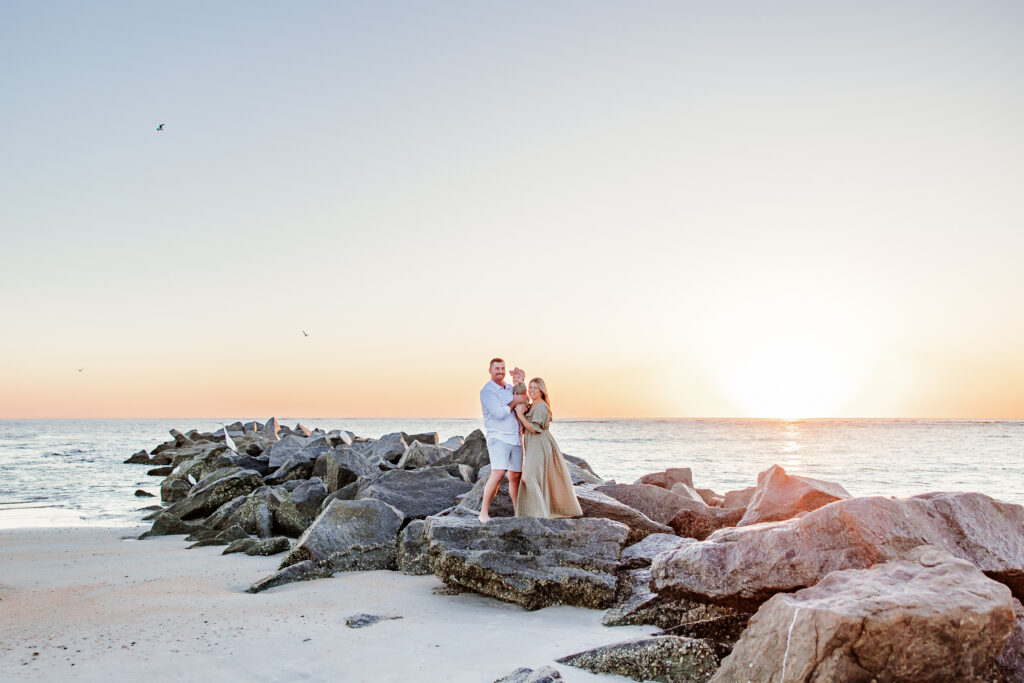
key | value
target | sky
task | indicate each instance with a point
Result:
(664, 209)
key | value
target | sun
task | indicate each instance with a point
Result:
(790, 376)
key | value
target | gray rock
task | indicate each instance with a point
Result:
(738, 499)
(221, 517)
(364, 620)
(166, 524)
(698, 520)
(635, 605)
(420, 454)
(225, 537)
(174, 488)
(308, 497)
(710, 497)
(472, 452)
(140, 493)
(140, 458)
(583, 465)
(781, 496)
(341, 466)
(280, 451)
(295, 467)
(417, 493)
(389, 448)
(668, 478)
(745, 566)
(687, 492)
(642, 553)
(930, 617)
(545, 674)
(531, 562)
(412, 553)
(302, 430)
(654, 501)
(599, 505)
(215, 490)
(429, 438)
(350, 535)
(454, 443)
(160, 471)
(659, 658)
(258, 546)
(270, 430)
(302, 571)
(1009, 665)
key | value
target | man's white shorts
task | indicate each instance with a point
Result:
(505, 456)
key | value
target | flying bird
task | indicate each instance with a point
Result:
(160, 127)
(305, 334)
(80, 369)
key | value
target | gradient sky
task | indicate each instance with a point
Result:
(794, 209)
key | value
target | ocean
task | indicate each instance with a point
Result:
(71, 472)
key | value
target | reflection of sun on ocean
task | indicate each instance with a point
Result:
(790, 376)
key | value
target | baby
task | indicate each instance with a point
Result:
(518, 389)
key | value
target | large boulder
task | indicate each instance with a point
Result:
(420, 454)
(529, 561)
(350, 535)
(388, 448)
(270, 429)
(341, 466)
(668, 478)
(640, 554)
(1009, 665)
(301, 571)
(412, 552)
(654, 501)
(696, 519)
(668, 659)
(140, 458)
(781, 496)
(417, 493)
(745, 566)
(297, 466)
(930, 617)
(429, 438)
(738, 499)
(599, 505)
(453, 444)
(280, 451)
(635, 604)
(545, 674)
(472, 452)
(307, 498)
(214, 490)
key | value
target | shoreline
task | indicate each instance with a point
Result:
(93, 601)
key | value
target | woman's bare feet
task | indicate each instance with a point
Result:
(484, 518)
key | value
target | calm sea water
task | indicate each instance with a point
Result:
(70, 472)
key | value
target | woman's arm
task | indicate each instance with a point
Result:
(526, 423)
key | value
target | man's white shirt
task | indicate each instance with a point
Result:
(499, 420)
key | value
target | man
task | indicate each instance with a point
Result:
(503, 443)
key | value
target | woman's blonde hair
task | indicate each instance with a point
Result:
(544, 393)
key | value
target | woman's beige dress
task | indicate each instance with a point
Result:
(545, 489)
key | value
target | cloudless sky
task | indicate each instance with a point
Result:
(664, 208)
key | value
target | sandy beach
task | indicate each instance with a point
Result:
(94, 604)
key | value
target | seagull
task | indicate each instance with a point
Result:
(305, 334)
(160, 127)
(80, 369)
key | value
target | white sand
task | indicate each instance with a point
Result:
(96, 607)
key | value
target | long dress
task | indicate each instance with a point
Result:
(545, 489)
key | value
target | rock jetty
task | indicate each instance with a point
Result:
(789, 579)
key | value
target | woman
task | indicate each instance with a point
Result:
(545, 489)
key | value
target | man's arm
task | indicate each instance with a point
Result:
(492, 405)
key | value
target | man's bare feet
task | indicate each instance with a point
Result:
(484, 518)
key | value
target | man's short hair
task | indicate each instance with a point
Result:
(495, 360)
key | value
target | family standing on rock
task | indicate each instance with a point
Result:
(516, 421)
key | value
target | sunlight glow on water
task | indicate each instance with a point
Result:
(71, 472)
